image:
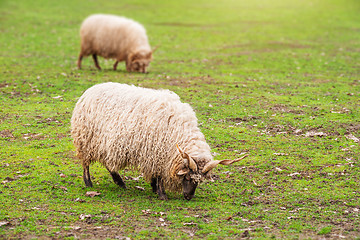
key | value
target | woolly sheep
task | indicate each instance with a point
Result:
(115, 37)
(152, 130)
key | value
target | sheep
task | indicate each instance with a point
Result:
(115, 37)
(150, 130)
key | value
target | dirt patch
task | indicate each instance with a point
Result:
(49, 120)
(285, 109)
(187, 82)
(7, 134)
(243, 119)
(288, 45)
(351, 127)
(34, 136)
(2, 85)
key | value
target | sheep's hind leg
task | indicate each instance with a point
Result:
(115, 65)
(96, 62)
(158, 187)
(86, 177)
(117, 179)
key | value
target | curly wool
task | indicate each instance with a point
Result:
(126, 126)
(112, 36)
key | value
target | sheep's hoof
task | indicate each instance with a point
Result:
(88, 183)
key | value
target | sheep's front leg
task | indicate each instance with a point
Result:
(154, 185)
(79, 61)
(117, 179)
(96, 62)
(128, 63)
(158, 187)
(86, 177)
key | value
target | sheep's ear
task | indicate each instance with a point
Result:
(182, 172)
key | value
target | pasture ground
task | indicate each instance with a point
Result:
(277, 79)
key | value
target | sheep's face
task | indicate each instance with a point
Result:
(190, 174)
(189, 184)
(195, 170)
(139, 62)
(190, 180)
(139, 65)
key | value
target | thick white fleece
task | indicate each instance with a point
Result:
(121, 125)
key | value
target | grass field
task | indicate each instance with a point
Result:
(277, 79)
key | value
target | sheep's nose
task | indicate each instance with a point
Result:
(188, 196)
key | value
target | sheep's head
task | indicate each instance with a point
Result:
(138, 62)
(191, 174)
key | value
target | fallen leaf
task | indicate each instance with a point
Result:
(62, 175)
(140, 188)
(245, 234)
(293, 174)
(92, 194)
(228, 218)
(280, 154)
(64, 188)
(57, 97)
(348, 148)
(189, 224)
(298, 131)
(161, 220)
(7, 180)
(84, 216)
(3, 223)
(315, 134)
(352, 137)
(137, 178)
(147, 211)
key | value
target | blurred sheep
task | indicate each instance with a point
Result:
(120, 38)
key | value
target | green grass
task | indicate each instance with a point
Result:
(277, 79)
